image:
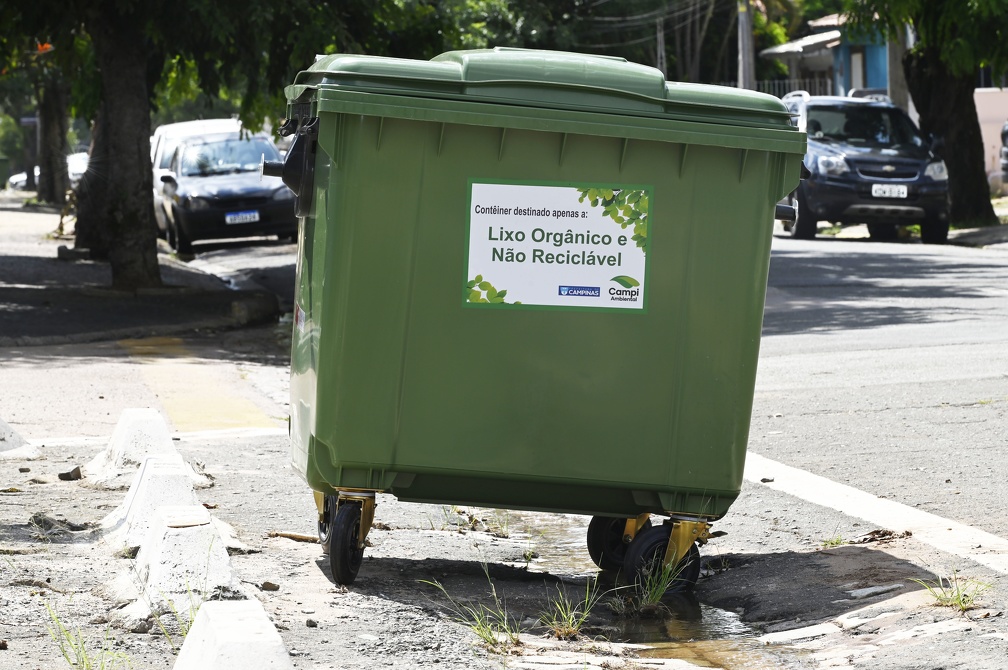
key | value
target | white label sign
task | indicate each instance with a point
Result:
(578, 247)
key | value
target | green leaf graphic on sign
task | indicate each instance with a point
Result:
(626, 282)
(479, 290)
(626, 208)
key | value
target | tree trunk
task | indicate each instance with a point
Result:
(947, 110)
(90, 232)
(53, 178)
(121, 200)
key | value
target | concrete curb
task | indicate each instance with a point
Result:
(162, 480)
(9, 438)
(182, 567)
(236, 634)
(182, 564)
(139, 433)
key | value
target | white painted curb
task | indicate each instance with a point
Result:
(232, 634)
(182, 562)
(162, 480)
(138, 434)
(13, 446)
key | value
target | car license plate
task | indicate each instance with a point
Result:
(241, 217)
(889, 190)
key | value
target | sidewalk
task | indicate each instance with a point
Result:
(44, 300)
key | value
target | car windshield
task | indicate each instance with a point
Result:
(869, 126)
(226, 156)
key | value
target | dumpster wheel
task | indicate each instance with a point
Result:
(609, 537)
(350, 524)
(326, 512)
(654, 548)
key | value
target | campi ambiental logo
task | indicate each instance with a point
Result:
(629, 290)
(580, 291)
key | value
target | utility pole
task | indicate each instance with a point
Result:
(660, 48)
(746, 67)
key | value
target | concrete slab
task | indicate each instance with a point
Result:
(140, 432)
(232, 634)
(162, 480)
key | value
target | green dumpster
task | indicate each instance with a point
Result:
(529, 280)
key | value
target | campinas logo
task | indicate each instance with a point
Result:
(580, 291)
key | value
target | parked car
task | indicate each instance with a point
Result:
(164, 141)
(213, 189)
(869, 164)
(76, 167)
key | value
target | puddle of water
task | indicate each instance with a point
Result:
(691, 631)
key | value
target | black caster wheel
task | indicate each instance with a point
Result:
(644, 560)
(345, 555)
(325, 523)
(605, 541)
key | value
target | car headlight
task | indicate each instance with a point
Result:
(832, 165)
(936, 171)
(196, 203)
(283, 194)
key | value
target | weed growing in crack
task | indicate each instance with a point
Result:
(835, 541)
(956, 592)
(75, 650)
(494, 627)
(564, 617)
(644, 596)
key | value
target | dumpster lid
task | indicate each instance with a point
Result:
(539, 78)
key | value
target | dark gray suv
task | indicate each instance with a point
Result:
(869, 164)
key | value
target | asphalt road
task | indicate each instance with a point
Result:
(885, 366)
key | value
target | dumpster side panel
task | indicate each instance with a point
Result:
(722, 312)
(548, 408)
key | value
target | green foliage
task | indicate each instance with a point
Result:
(10, 138)
(968, 35)
(627, 208)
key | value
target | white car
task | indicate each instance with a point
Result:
(76, 167)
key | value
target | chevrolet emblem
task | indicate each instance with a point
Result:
(888, 168)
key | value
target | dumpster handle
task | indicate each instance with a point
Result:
(297, 170)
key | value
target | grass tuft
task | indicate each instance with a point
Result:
(494, 627)
(75, 650)
(955, 591)
(565, 617)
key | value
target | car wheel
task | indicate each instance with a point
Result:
(805, 223)
(934, 231)
(177, 238)
(882, 232)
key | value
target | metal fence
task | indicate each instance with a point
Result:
(780, 87)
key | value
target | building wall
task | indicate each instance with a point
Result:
(992, 112)
(876, 63)
(876, 69)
